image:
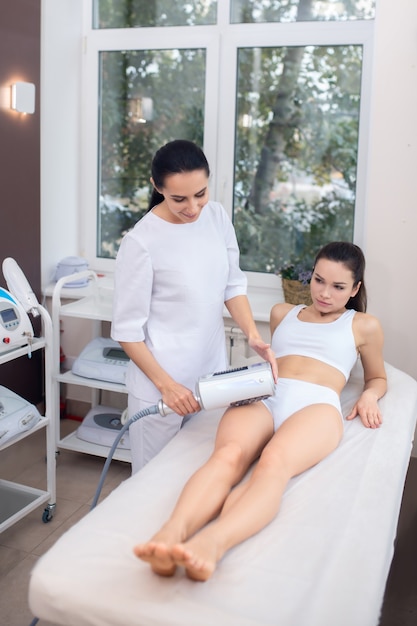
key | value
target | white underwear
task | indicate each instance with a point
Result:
(292, 395)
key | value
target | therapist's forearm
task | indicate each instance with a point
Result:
(241, 312)
(141, 356)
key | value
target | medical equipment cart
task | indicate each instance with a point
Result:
(96, 306)
(19, 500)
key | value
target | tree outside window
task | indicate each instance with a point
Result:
(296, 131)
(296, 151)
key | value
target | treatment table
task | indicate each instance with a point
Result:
(323, 561)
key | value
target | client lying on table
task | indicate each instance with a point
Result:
(301, 424)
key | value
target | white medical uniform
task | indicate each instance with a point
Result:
(171, 282)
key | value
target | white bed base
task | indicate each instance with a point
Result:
(323, 561)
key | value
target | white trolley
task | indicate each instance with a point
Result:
(19, 500)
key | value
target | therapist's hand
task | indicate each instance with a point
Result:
(180, 399)
(264, 350)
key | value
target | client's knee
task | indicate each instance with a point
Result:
(230, 457)
(274, 461)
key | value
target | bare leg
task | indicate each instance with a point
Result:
(240, 438)
(302, 441)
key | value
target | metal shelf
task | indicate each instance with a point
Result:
(96, 305)
(17, 500)
(41, 424)
(72, 442)
(93, 383)
(37, 344)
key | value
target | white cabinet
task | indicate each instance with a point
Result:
(17, 500)
(96, 306)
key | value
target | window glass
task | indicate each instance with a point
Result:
(134, 13)
(276, 109)
(252, 11)
(296, 151)
(148, 97)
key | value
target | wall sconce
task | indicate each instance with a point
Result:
(140, 110)
(23, 97)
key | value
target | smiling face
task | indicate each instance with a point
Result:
(332, 286)
(185, 195)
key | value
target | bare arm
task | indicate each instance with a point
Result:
(176, 396)
(368, 329)
(278, 312)
(240, 310)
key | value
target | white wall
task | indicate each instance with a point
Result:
(390, 238)
(391, 224)
(61, 48)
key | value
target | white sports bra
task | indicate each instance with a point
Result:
(333, 342)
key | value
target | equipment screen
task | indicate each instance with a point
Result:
(8, 315)
(115, 353)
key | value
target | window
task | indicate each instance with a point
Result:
(297, 126)
(255, 11)
(273, 91)
(138, 87)
(153, 13)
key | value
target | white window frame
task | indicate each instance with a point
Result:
(221, 42)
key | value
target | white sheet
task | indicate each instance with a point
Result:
(323, 561)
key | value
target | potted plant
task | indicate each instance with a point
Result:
(296, 282)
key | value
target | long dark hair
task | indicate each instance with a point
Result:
(352, 257)
(175, 157)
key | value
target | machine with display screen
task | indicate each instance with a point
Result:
(15, 326)
(103, 359)
(16, 415)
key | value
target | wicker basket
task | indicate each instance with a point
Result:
(295, 292)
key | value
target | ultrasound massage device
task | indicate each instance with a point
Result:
(234, 387)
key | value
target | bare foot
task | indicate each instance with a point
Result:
(199, 558)
(158, 555)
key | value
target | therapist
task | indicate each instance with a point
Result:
(175, 271)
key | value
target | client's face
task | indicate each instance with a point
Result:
(331, 286)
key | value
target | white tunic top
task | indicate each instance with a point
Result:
(171, 282)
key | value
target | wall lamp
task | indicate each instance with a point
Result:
(23, 97)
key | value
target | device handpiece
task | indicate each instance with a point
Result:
(234, 387)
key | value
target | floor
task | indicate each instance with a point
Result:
(400, 604)
(77, 479)
(22, 544)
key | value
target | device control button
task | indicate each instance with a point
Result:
(6, 339)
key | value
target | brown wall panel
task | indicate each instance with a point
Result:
(20, 23)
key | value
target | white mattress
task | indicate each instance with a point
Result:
(323, 561)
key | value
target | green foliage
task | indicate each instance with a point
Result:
(296, 159)
(280, 238)
(148, 13)
(115, 222)
(252, 11)
(297, 271)
(127, 147)
(296, 166)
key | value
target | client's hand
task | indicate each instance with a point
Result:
(265, 352)
(368, 410)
